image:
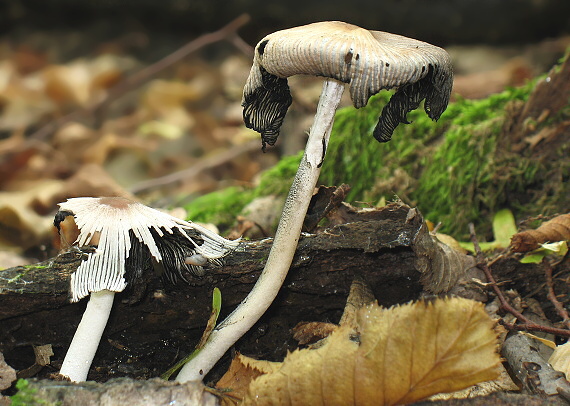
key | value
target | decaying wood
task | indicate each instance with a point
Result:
(389, 247)
(535, 374)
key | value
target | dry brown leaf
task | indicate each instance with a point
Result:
(23, 101)
(163, 97)
(560, 359)
(360, 295)
(88, 180)
(557, 229)
(310, 377)
(83, 81)
(241, 372)
(406, 353)
(70, 83)
(308, 332)
(20, 223)
(313, 333)
(425, 348)
(450, 242)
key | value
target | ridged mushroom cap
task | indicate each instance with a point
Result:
(132, 236)
(368, 61)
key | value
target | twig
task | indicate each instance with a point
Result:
(562, 312)
(527, 325)
(536, 375)
(227, 32)
(206, 163)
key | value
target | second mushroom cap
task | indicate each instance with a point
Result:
(368, 61)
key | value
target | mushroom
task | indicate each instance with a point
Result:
(130, 238)
(368, 61)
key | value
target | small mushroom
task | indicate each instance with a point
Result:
(368, 61)
(130, 237)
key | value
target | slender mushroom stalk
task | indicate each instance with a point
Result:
(87, 336)
(130, 237)
(286, 238)
(368, 61)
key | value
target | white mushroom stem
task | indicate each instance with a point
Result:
(87, 336)
(284, 244)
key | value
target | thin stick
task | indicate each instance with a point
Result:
(204, 164)
(562, 312)
(228, 32)
(527, 325)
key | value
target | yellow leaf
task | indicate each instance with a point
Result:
(503, 383)
(548, 343)
(560, 359)
(310, 377)
(424, 348)
(401, 355)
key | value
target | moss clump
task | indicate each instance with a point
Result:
(26, 396)
(451, 169)
(277, 180)
(356, 158)
(219, 207)
(470, 175)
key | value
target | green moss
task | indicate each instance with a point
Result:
(449, 169)
(277, 180)
(220, 207)
(26, 396)
(356, 158)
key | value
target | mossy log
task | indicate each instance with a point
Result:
(143, 339)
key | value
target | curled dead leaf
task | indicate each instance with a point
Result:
(557, 229)
(396, 356)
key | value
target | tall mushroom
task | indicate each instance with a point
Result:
(130, 237)
(368, 61)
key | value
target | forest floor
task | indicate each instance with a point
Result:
(82, 118)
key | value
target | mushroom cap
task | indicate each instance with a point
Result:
(368, 61)
(133, 234)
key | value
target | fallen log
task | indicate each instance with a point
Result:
(389, 247)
